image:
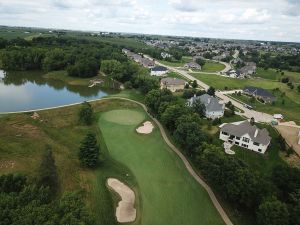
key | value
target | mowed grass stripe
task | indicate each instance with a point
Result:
(169, 195)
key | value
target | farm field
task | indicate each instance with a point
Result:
(283, 105)
(184, 60)
(211, 66)
(169, 194)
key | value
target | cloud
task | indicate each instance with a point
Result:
(293, 8)
(185, 5)
(255, 16)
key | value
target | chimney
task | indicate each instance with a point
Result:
(256, 132)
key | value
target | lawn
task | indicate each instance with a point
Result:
(272, 74)
(177, 63)
(211, 66)
(290, 109)
(262, 163)
(220, 82)
(169, 195)
(177, 75)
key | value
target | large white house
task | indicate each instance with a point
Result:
(213, 108)
(245, 135)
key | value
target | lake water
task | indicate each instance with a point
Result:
(21, 91)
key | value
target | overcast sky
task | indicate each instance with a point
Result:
(239, 19)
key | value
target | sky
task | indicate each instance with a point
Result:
(276, 20)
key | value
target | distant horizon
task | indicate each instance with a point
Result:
(264, 20)
(148, 34)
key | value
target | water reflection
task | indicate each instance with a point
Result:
(21, 91)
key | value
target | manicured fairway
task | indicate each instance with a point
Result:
(169, 195)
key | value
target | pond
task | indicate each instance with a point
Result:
(22, 91)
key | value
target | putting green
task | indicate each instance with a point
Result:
(124, 116)
(169, 194)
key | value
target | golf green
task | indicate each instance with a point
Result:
(169, 195)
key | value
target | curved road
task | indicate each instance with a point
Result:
(188, 166)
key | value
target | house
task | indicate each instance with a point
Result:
(261, 93)
(165, 55)
(192, 65)
(278, 116)
(145, 62)
(213, 108)
(158, 71)
(173, 84)
(245, 135)
(248, 69)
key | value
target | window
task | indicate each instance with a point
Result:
(259, 150)
(245, 146)
(255, 143)
(246, 139)
(224, 133)
(237, 138)
(237, 143)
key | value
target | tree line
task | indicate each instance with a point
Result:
(273, 200)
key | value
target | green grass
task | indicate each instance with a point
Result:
(272, 74)
(176, 75)
(262, 163)
(211, 66)
(220, 82)
(63, 76)
(177, 63)
(290, 109)
(169, 194)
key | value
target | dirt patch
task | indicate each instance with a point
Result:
(125, 211)
(147, 128)
(290, 134)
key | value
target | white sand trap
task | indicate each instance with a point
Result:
(147, 128)
(125, 212)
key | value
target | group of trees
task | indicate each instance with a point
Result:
(271, 200)
(35, 201)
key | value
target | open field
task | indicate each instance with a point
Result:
(169, 194)
(290, 109)
(271, 74)
(220, 82)
(211, 66)
(180, 63)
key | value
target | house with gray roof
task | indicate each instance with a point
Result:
(246, 135)
(261, 93)
(213, 108)
(173, 84)
(192, 65)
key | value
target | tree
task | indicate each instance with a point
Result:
(47, 175)
(54, 60)
(171, 114)
(89, 151)
(298, 88)
(111, 68)
(273, 212)
(194, 84)
(155, 98)
(294, 207)
(199, 107)
(252, 121)
(201, 62)
(281, 142)
(211, 91)
(86, 113)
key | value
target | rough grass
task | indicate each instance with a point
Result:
(22, 141)
(169, 194)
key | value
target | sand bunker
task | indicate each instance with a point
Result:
(147, 128)
(125, 212)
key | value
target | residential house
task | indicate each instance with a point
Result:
(260, 93)
(192, 65)
(145, 62)
(249, 69)
(173, 84)
(245, 135)
(158, 71)
(165, 55)
(213, 108)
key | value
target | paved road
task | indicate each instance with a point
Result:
(258, 116)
